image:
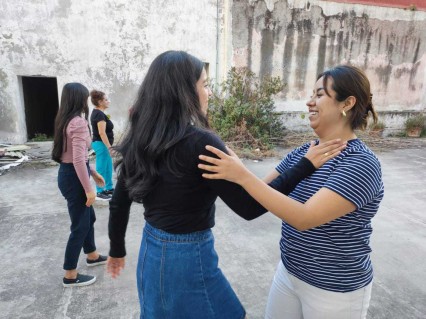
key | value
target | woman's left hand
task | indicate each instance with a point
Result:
(115, 266)
(227, 167)
(323, 152)
(99, 180)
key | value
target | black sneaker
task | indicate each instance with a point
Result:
(100, 261)
(81, 280)
(103, 196)
(109, 192)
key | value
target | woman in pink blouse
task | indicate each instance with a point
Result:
(71, 142)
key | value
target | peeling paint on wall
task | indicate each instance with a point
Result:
(298, 39)
(7, 124)
(104, 44)
(109, 44)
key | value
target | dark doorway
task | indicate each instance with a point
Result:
(41, 105)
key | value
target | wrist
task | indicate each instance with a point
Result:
(307, 164)
(245, 178)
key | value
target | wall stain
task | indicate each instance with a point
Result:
(413, 71)
(304, 39)
(266, 53)
(331, 55)
(321, 54)
(7, 124)
(267, 45)
(250, 26)
(381, 47)
(287, 58)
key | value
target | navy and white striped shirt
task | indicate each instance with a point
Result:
(335, 256)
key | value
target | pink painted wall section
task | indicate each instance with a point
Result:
(404, 4)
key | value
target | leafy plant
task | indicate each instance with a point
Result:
(40, 137)
(379, 126)
(415, 122)
(242, 110)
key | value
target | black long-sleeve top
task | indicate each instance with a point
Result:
(185, 203)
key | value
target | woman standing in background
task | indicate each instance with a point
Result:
(103, 138)
(70, 146)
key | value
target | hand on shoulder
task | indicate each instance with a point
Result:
(321, 153)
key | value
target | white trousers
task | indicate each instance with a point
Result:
(292, 298)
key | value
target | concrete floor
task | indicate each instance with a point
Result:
(34, 226)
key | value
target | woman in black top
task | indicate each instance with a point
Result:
(103, 138)
(178, 274)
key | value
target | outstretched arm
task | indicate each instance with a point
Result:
(119, 211)
(241, 202)
(318, 155)
(321, 208)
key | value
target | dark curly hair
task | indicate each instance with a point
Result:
(96, 96)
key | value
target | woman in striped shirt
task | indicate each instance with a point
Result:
(325, 269)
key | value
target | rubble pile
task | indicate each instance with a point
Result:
(12, 155)
(31, 152)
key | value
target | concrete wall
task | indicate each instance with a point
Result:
(104, 44)
(108, 45)
(297, 39)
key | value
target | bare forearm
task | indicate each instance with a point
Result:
(271, 176)
(104, 139)
(324, 206)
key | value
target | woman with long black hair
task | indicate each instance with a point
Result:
(178, 274)
(71, 142)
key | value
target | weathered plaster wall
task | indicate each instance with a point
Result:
(296, 39)
(104, 44)
(108, 45)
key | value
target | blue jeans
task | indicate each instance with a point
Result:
(82, 217)
(179, 278)
(103, 165)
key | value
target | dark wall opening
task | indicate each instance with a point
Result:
(41, 104)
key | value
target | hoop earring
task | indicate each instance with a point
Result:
(343, 113)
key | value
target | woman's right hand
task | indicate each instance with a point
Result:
(321, 153)
(226, 166)
(91, 196)
(99, 180)
(112, 152)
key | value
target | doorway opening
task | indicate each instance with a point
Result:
(41, 105)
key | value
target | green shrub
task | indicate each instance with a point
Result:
(417, 121)
(242, 110)
(377, 126)
(40, 137)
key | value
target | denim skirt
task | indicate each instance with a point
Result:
(179, 278)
